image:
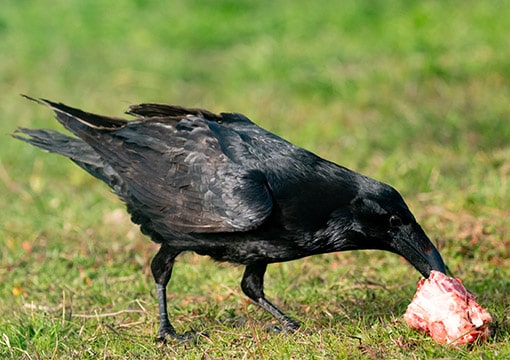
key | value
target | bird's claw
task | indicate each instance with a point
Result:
(274, 329)
(287, 326)
(190, 337)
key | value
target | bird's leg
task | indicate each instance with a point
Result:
(253, 286)
(161, 267)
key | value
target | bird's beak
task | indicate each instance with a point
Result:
(417, 248)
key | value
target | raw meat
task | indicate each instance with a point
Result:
(444, 309)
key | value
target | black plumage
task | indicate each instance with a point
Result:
(221, 186)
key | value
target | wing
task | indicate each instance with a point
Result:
(177, 176)
(181, 179)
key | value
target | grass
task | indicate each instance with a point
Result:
(412, 93)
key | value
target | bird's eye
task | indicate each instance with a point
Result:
(395, 221)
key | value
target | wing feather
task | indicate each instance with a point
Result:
(180, 180)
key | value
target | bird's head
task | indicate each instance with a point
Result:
(380, 219)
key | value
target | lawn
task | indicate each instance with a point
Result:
(415, 94)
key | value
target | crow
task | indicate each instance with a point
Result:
(219, 185)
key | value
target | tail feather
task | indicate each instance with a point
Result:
(78, 151)
(78, 121)
(160, 110)
(53, 141)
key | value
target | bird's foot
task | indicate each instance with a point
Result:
(168, 334)
(287, 325)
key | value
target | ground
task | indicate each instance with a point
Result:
(412, 93)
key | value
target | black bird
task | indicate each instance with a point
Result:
(221, 186)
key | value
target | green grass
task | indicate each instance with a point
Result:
(412, 93)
